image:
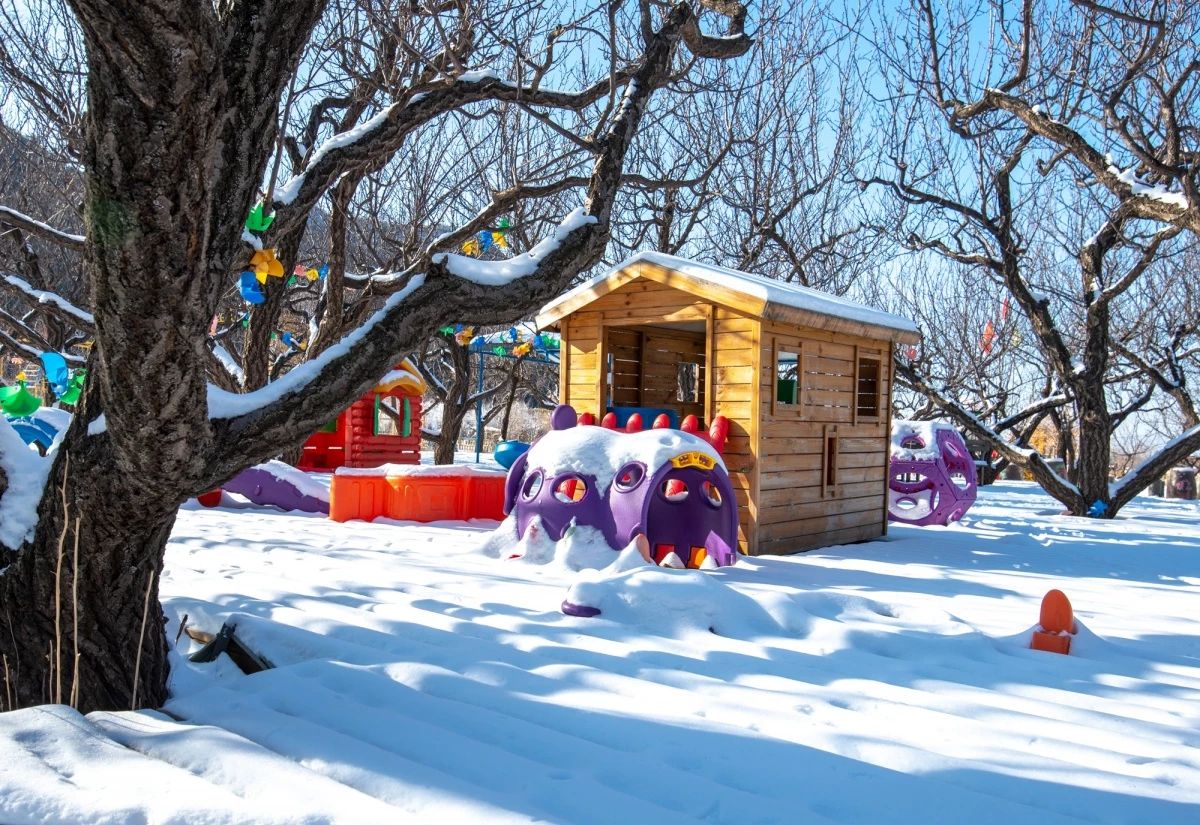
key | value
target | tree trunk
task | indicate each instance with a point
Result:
(112, 598)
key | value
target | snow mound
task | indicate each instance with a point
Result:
(581, 547)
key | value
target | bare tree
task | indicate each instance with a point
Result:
(1063, 170)
(184, 102)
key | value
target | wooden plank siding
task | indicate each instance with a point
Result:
(736, 395)
(797, 506)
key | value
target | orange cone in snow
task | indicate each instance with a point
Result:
(1056, 624)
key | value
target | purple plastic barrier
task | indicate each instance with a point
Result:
(263, 487)
(936, 488)
(686, 502)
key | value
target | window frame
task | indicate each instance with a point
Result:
(782, 407)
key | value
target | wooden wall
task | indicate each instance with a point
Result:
(645, 363)
(811, 493)
(735, 392)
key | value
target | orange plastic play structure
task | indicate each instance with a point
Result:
(417, 496)
(1056, 624)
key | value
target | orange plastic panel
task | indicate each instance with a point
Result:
(416, 497)
(1050, 642)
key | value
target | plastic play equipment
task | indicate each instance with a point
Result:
(274, 483)
(417, 493)
(1056, 624)
(35, 432)
(507, 452)
(381, 427)
(18, 402)
(667, 485)
(931, 477)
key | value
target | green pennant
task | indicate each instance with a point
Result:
(256, 221)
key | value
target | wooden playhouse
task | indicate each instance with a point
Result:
(804, 378)
(381, 427)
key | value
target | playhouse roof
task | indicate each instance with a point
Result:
(752, 294)
(405, 377)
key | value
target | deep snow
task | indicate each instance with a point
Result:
(883, 682)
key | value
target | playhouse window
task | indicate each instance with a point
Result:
(393, 416)
(868, 387)
(829, 473)
(687, 382)
(787, 377)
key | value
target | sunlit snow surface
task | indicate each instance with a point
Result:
(419, 679)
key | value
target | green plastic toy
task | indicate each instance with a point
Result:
(256, 221)
(74, 387)
(18, 402)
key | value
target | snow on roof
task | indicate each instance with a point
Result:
(405, 377)
(755, 286)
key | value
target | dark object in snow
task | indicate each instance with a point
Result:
(227, 642)
(583, 611)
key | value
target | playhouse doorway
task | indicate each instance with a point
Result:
(655, 369)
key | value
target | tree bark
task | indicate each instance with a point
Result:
(112, 598)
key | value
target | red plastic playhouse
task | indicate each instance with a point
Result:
(382, 427)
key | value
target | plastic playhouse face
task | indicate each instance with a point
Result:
(931, 476)
(667, 485)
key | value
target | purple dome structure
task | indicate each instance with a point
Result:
(667, 485)
(931, 476)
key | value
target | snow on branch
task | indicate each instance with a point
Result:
(40, 296)
(1157, 192)
(371, 143)
(1140, 476)
(20, 220)
(498, 273)
(224, 404)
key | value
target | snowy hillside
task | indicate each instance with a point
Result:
(418, 679)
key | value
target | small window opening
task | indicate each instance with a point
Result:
(393, 416)
(830, 457)
(868, 387)
(787, 377)
(532, 486)
(630, 476)
(687, 382)
(674, 490)
(711, 494)
(570, 490)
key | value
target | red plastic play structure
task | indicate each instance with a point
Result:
(382, 427)
(425, 494)
(716, 436)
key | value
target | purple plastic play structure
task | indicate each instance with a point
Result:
(931, 478)
(667, 485)
(262, 486)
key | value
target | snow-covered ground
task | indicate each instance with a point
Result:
(417, 679)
